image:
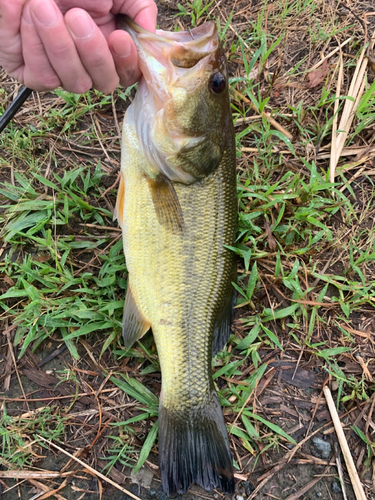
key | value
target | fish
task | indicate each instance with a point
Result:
(177, 206)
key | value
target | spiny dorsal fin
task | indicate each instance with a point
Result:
(167, 206)
(119, 208)
(134, 325)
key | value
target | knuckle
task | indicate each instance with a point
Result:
(96, 58)
(107, 88)
(51, 83)
(127, 79)
(60, 48)
(43, 80)
(82, 86)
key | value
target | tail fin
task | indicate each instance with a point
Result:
(194, 447)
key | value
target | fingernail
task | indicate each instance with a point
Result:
(45, 12)
(120, 48)
(81, 25)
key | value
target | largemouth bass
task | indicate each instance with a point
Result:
(177, 206)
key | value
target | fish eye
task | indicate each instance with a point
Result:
(217, 83)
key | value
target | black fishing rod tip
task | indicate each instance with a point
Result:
(13, 107)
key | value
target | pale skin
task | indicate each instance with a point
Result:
(45, 44)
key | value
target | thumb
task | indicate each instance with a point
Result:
(143, 12)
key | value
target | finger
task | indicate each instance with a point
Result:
(38, 73)
(125, 57)
(10, 39)
(144, 12)
(93, 50)
(96, 8)
(59, 46)
(146, 16)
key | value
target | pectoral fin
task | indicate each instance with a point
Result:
(119, 208)
(134, 325)
(167, 206)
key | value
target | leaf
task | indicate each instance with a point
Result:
(249, 339)
(272, 337)
(70, 345)
(250, 429)
(147, 445)
(317, 76)
(237, 432)
(252, 281)
(287, 141)
(91, 327)
(139, 392)
(226, 368)
(270, 238)
(328, 353)
(273, 427)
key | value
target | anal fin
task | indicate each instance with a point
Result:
(119, 208)
(167, 206)
(134, 325)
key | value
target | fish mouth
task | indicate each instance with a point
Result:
(183, 49)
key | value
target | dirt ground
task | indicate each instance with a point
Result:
(289, 394)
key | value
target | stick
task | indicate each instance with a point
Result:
(353, 474)
(355, 91)
(330, 54)
(268, 116)
(86, 466)
(29, 474)
(339, 468)
(307, 486)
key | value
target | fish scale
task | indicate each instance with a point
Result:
(180, 271)
(187, 264)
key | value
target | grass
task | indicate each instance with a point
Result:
(306, 246)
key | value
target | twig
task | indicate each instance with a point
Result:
(97, 255)
(307, 486)
(355, 92)
(103, 148)
(15, 367)
(330, 54)
(353, 474)
(27, 474)
(339, 468)
(115, 116)
(33, 400)
(354, 14)
(47, 491)
(111, 187)
(109, 228)
(288, 457)
(334, 157)
(89, 468)
(268, 117)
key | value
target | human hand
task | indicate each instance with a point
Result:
(71, 43)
